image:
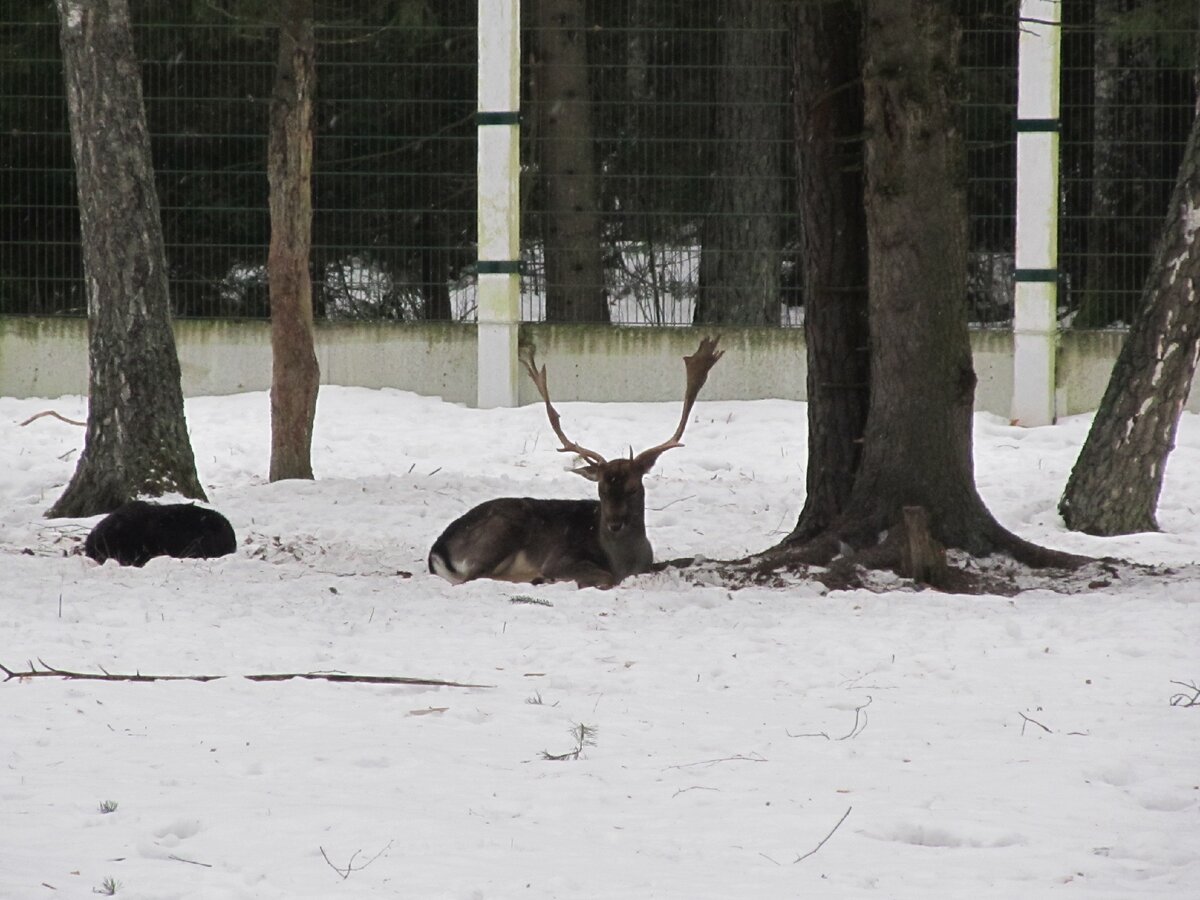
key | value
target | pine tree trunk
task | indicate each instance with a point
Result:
(739, 262)
(137, 441)
(914, 492)
(566, 157)
(917, 442)
(1115, 484)
(829, 125)
(295, 375)
(1123, 113)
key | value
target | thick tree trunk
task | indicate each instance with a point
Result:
(567, 165)
(1116, 481)
(829, 126)
(739, 261)
(917, 445)
(914, 492)
(137, 441)
(294, 372)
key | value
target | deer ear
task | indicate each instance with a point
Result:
(644, 461)
(591, 472)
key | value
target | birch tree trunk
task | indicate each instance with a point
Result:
(295, 375)
(1115, 485)
(137, 441)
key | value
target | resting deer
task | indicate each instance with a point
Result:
(595, 543)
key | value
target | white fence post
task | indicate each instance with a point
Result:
(498, 290)
(1035, 320)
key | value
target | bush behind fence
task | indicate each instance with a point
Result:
(666, 125)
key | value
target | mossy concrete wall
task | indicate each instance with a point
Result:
(48, 358)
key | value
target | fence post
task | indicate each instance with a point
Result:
(1035, 320)
(498, 289)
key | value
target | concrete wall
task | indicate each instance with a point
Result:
(48, 358)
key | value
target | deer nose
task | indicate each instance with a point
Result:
(614, 527)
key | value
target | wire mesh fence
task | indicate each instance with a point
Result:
(658, 158)
(1128, 87)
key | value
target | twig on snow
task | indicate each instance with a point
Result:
(1029, 721)
(1186, 699)
(753, 757)
(860, 725)
(585, 736)
(525, 598)
(350, 867)
(190, 862)
(53, 414)
(805, 856)
(694, 787)
(49, 671)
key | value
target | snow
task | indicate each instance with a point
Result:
(733, 729)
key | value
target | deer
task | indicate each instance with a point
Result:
(595, 543)
(139, 531)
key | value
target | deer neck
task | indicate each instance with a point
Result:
(628, 551)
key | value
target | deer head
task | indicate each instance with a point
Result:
(590, 542)
(620, 480)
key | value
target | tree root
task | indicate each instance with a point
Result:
(995, 561)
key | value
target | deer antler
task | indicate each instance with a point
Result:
(539, 380)
(698, 366)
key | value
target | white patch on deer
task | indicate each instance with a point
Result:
(443, 571)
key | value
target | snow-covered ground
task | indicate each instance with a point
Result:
(730, 732)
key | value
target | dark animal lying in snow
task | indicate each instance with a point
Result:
(140, 531)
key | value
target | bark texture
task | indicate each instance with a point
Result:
(295, 375)
(917, 444)
(829, 125)
(739, 262)
(137, 441)
(1115, 484)
(916, 452)
(567, 166)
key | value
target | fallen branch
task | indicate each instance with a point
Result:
(1186, 699)
(53, 414)
(49, 671)
(585, 736)
(805, 856)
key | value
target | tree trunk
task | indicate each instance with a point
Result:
(916, 448)
(435, 271)
(739, 260)
(137, 441)
(294, 372)
(829, 126)
(1115, 484)
(917, 444)
(567, 166)
(1124, 112)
